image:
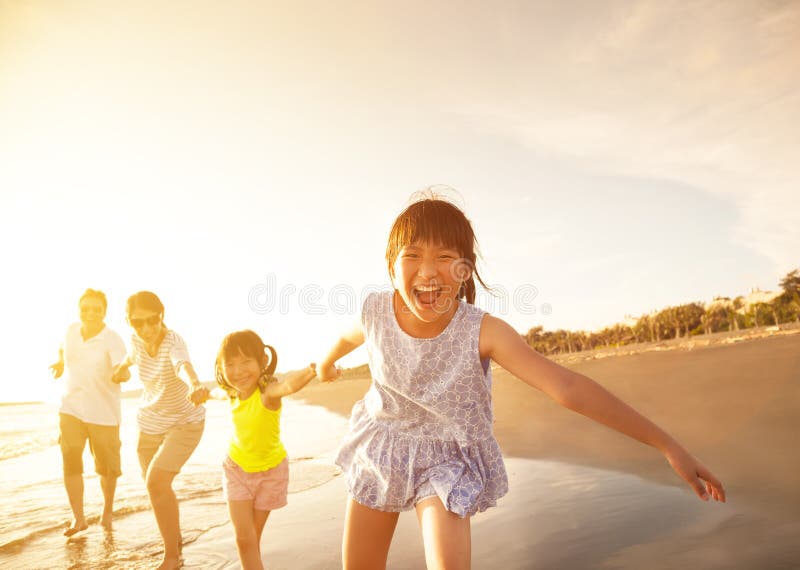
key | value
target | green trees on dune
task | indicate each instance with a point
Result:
(722, 314)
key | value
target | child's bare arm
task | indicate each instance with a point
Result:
(293, 382)
(347, 343)
(218, 394)
(500, 342)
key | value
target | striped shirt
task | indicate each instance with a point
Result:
(164, 401)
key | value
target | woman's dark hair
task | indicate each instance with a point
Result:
(144, 300)
(249, 344)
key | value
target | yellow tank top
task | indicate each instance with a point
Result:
(256, 444)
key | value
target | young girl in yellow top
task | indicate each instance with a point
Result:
(256, 470)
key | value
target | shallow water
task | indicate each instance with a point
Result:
(35, 503)
(557, 515)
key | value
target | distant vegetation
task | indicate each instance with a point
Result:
(357, 372)
(691, 319)
(722, 314)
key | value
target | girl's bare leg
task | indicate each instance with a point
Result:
(446, 536)
(248, 534)
(367, 537)
(260, 519)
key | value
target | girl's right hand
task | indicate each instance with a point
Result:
(329, 372)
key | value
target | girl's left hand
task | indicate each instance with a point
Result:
(699, 478)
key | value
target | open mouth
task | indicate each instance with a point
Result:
(426, 295)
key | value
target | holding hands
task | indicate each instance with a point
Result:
(329, 372)
(121, 373)
(198, 394)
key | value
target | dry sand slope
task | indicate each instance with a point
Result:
(583, 496)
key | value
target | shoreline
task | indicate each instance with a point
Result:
(581, 495)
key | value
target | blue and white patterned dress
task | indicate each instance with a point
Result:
(424, 428)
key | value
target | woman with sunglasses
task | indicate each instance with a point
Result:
(170, 417)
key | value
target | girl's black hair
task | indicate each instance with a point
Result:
(438, 222)
(249, 344)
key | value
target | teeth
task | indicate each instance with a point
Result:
(426, 288)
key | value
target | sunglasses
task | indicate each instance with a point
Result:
(152, 320)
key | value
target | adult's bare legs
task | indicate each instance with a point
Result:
(74, 486)
(109, 485)
(165, 508)
(367, 537)
(446, 536)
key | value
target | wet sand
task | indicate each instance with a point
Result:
(583, 496)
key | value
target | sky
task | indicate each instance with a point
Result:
(245, 160)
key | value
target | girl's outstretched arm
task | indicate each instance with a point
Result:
(347, 343)
(293, 382)
(500, 342)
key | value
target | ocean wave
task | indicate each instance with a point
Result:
(25, 445)
(27, 534)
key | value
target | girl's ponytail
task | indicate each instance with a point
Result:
(268, 373)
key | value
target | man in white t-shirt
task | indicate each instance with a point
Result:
(90, 406)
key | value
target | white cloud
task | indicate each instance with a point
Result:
(706, 95)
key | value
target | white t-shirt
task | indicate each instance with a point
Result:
(164, 401)
(89, 394)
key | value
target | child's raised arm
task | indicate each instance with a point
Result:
(347, 343)
(292, 383)
(500, 342)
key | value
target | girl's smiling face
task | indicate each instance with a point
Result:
(427, 278)
(242, 372)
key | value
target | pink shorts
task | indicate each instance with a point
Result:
(267, 489)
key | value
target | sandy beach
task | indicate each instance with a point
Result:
(581, 496)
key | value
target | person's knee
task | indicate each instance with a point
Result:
(72, 460)
(159, 482)
(246, 542)
(108, 468)
(107, 463)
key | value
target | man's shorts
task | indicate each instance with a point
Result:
(103, 443)
(267, 489)
(169, 450)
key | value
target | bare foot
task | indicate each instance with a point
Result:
(105, 521)
(170, 564)
(76, 528)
